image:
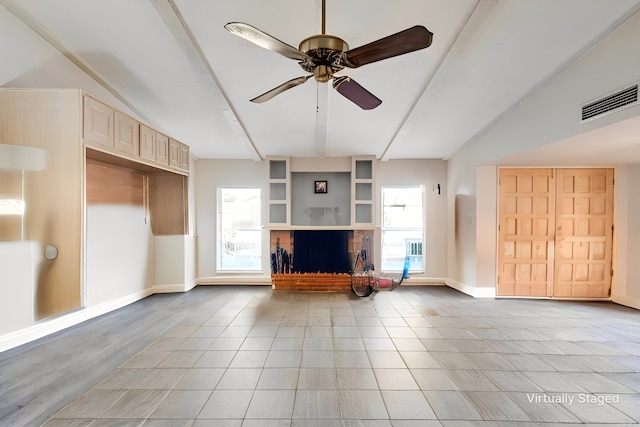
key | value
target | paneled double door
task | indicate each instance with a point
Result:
(555, 233)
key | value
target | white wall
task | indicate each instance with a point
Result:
(31, 62)
(119, 253)
(19, 263)
(428, 173)
(548, 115)
(630, 286)
(335, 204)
(209, 175)
(175, 268)
(626, 279)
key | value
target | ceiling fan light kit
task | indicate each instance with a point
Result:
(324, 55)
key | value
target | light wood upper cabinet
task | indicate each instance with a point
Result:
(174, 153)
(114, 132)
(98, 123)
(184, 157)
(162, 149)
(127, 135)
(148, 146)
(178, 155)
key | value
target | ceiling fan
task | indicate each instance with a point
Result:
(324, 55)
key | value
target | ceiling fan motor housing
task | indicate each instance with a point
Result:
(326, 52)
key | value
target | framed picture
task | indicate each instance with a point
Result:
(320, 187)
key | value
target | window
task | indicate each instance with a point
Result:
(239, 229)
(402, 228)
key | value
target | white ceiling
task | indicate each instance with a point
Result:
(173, 63)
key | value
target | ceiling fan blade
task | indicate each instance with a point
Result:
(351, 90)
(266, 41)
(409, 40)
(279, 89)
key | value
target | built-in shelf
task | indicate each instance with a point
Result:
(363, 169)
(279, 191)
(278, 169)
(363, 213)
(362, 190)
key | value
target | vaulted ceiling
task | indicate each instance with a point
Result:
(173, 63)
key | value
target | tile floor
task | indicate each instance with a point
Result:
(418, 356)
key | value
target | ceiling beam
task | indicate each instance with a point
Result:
(473, 23)
(176, 24)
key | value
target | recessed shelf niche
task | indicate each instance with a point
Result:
(362, 186)
(279, 191)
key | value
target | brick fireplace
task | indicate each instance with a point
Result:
(285, 276)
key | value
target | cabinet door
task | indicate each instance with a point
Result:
(126, 135)
(174, 153)
(184, 157)
(98, 123)
(162, 149)
(147, 143)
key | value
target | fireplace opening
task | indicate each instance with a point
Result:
(321, 251)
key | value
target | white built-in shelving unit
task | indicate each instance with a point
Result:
(279, 191)
(362, 191)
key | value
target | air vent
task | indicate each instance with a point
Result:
(624, 98)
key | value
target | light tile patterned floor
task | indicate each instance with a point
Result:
(418, 356)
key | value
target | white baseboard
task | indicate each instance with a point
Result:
(234, 280)
(422, 281)
(180, 287)
(58, 323)
(484, 292)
